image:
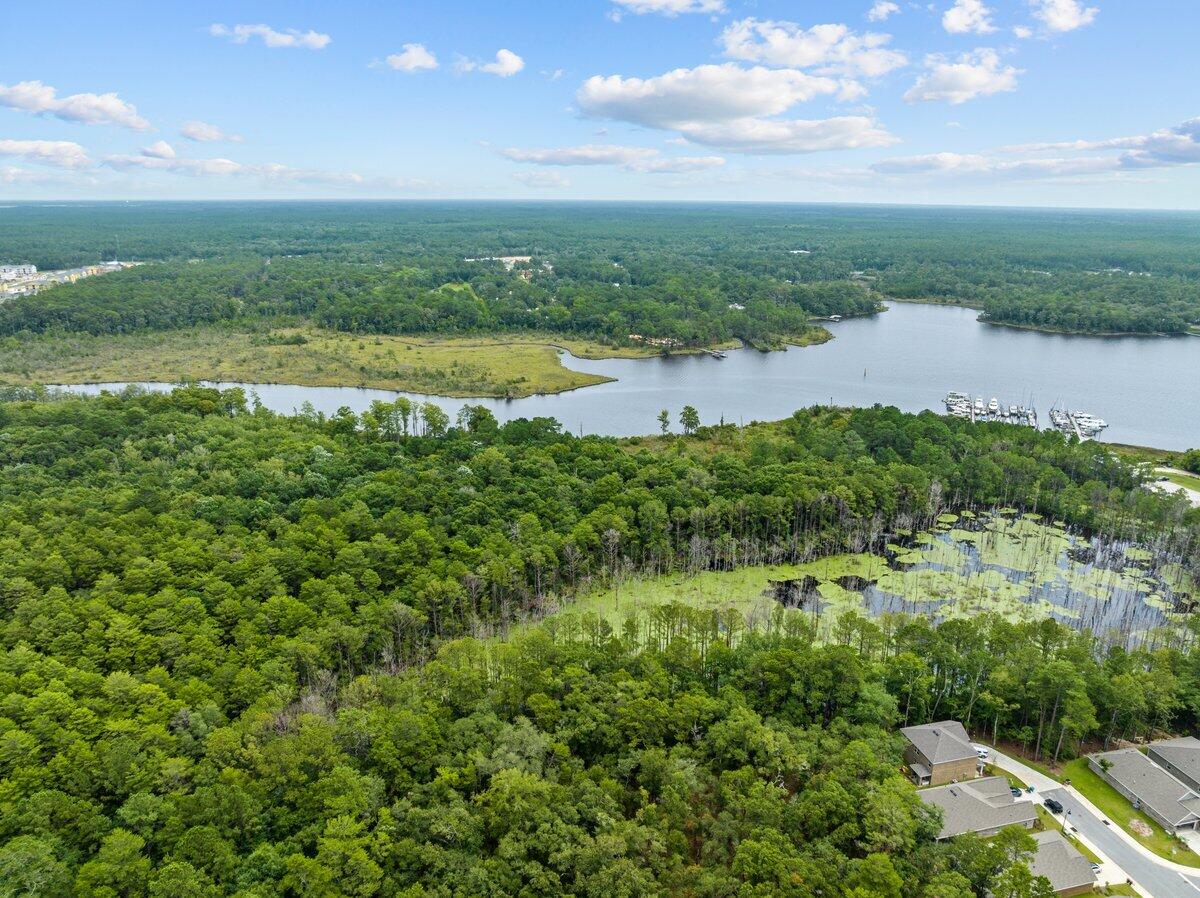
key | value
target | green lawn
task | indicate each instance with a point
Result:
(1120, 812)
(1191, 481)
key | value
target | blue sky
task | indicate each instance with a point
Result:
(1025, 102)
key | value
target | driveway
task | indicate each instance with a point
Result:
(1166, 486)
(1157, 878)
(1121, 856)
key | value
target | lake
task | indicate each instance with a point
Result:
(1146, 388)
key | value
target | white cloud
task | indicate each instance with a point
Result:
(730, 107)
(830, 49)
(1058, 145)
(968, 17)
(645, 160)
(203, 132)
(760, 135)
(881, 10)
(60, 153)
(1063, 15)
(177, 165)
(10, 174)
(974, 165)
(679, 164)
(1171, 146)
(683, 97)
(1022, 32)
(541, 179)
(89, 109)
(241, 34)
(970, 75)
(506, 64)
(160, 149)
(590, 154)
(151, 160)
(1165, 148)
(414, 58)
(669, 7)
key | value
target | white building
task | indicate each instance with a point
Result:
(12, 272)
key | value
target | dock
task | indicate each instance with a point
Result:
(961, 405)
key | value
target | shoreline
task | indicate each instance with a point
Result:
(1128, 452)
(1038, 328)
(297, 376)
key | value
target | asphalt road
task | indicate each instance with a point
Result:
(1156, 880)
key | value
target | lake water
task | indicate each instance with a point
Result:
(1146, 388)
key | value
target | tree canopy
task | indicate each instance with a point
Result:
(237, 654)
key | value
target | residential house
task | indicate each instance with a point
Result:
(939, 753)
(1069, 872)
(983, 806)
(1179, 757)
(1151, 789)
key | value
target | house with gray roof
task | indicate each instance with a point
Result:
(1069, 872)
(940, 753)
(983, 806)
(1150, 788)
(1179, 757)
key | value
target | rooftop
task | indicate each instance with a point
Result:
(1155, 788)
(982, 804)
(1184, 753)
(941, 742)
(1060, 862)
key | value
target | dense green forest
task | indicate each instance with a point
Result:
(695, 274)
(238, 653)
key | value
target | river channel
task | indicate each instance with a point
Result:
(1146, 388)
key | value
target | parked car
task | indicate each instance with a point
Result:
(982, 751)
(1016, 793)
(1054, 805)
(1096, 869)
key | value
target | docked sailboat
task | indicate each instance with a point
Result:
(963, 405)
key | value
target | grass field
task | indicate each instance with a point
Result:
(1120, 812)
(1142, 454)
(450, 367)
(1191, 481)
(500, 366)
(710, 590)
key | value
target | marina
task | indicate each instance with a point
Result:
(961, 405)
(1083, 425)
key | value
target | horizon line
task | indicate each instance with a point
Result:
(8, 203)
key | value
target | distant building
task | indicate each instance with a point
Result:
(984, 806)
(1179, 757)
(940, 753)
(1069, 872)
(12, 272)
(1150, 788)
(509, 262)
